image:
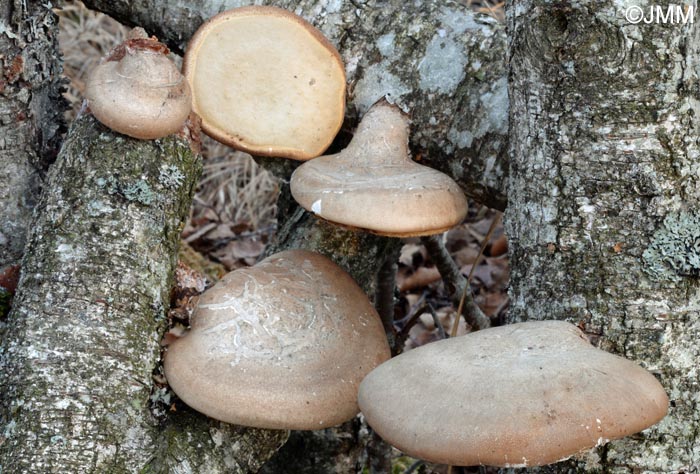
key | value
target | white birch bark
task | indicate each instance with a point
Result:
(604, 198)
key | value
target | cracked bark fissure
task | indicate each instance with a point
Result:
(437, 60)
(83, 336)
(603, 202)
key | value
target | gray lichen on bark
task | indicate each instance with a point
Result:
(31, 111)
(438, 60)
(674, 251)
(602, 189)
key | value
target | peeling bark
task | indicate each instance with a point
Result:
(603, 202)
(437, 60)
(31, 121)
(83, 337)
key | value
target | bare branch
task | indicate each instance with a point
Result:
(455, 283)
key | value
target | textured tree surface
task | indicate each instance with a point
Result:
(83, 337)
(439, 61)
(30, 115)
(603, 202)
(336, 450)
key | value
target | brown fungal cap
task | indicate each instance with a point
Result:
(282, 345)
(374, 185)
(525, 394)
(266, 82)
(138, 91)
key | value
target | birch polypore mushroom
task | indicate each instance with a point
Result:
(281, 345)
(138, 91)
(520, 395)
(374, 185)
(266, 82)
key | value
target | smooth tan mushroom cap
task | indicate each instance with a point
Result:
(374, 185)
(142, 95)
(266, 82)
(282, 345)
(525, 394)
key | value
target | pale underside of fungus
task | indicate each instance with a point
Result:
(520, 395)
(374, 185)
(138, 91)
(281, 345)
(266, 82)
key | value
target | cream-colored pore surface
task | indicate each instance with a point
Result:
(268, 82)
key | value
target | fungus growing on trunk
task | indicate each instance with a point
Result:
(281, 345)
(266, 82)
(519, 395)
(374, 185)
(138, 91)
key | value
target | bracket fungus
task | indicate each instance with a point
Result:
(519, 395)
(281, 345)
(138, 91)
(266, 82)
(374, 185)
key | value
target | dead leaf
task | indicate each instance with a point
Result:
(422, 277)
(499, 246)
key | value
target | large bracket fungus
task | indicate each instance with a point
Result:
(374, 185)
(281, 345)
(266, 82)
(138, 91)
(519, 395)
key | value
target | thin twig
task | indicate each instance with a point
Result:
(455, 283)
(438, 324)
(403, 333)
(384, 297)
(412, 310)
(466, 300)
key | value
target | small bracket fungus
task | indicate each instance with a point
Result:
(374, 185)
(138, 91)
(266, 82)
(520, 395)
(281, 345)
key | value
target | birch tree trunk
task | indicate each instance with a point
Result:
(604, 199)
(31, 111)
(82, 340)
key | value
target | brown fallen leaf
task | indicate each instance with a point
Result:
(465, 256)
(422, 277)
(499, 246)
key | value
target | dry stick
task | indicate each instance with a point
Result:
(378, 450)
(464, 300)
(436, 321)
(384, 297)
(415, 307)
(402, 335)
(455, 283)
